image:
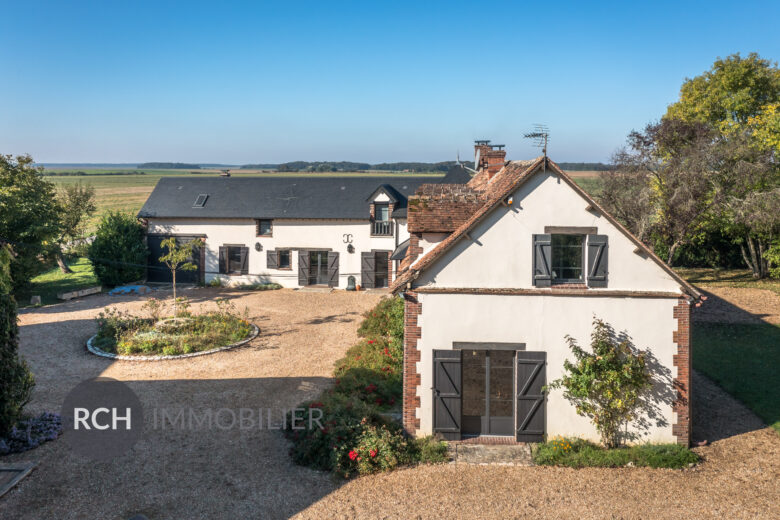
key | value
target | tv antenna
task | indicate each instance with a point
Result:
(541, 135)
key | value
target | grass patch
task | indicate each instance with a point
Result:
(592, 185)
(739, 278)
(579, 453)
(744, 359)
(127, 335)
(49, 284)
(260, 287)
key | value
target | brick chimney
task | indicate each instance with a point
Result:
(489, 158)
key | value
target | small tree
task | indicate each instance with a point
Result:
(605, 385)
(15, 378)
(177, 257)
(78, 204)
(118, 253)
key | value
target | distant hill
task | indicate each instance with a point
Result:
(585, 166)
(167, 166)
(347, 166)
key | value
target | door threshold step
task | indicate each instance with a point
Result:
(517, 454)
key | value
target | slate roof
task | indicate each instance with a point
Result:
(276, 197)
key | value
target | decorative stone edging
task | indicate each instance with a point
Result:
(103, 353)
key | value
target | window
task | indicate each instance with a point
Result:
(265, 228)
(283, 259)
(200, 201)
(233, 259)
(382, 212)
(567, 254)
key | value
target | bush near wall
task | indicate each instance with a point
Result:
(579, 453)
(359, 435)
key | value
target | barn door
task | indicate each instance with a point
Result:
(333, 269)
(447, 386)
(529, 417)
(303, 267)
(368, 270)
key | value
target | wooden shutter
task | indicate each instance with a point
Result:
(303, 267)
(367, 270)
(222, 259)
(270, 260)
(244, 260)
(542, 258)
(597, 260)
(530, 397)
(447, 387)
(333, 269)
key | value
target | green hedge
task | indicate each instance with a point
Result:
(578, 453)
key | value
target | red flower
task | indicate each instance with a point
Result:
(387, 352)
(370, 388)
(372, 453)
(352, 455)
(378, 401)
(371, 342)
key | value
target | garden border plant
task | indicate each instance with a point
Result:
(360, 436)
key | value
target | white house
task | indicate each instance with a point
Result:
(296, 231)
(498, 272)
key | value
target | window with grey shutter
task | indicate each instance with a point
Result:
(447, 389)
(303, 267)
(542, 276)
(270, 260)
(222, 260)
(598, 250)
(333, 269)
(244, 260)
(531, 377)
(368, 270)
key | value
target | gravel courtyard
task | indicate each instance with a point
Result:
(247, 474)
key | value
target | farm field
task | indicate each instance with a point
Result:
(129, 191)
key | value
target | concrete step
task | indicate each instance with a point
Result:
(512, 454)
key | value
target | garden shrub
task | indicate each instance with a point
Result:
(579, 453)
(359, 437)
(31, 433)
(118, 252)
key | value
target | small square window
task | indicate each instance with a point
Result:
(265, 228)
(283, 259)
(567, 253)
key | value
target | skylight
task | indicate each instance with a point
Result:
(200, 201)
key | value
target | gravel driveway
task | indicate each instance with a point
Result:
(234, 474)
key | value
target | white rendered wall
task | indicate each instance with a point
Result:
(499, 253)
(287, 234)
(541, 322)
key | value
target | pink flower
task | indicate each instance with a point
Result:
(372, 453)
(352, 455)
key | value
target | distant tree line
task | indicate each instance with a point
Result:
(346, 166)
(83, 173)
(168, 166)
(585, 166)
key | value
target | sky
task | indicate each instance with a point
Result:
(255, 82)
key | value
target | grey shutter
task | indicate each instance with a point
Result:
(270, 260)
(530, 397)
(447, 387)
(303, 267)
(368, 270)
(542, 259)
(244, 260)
(222, 260)
(598, 250)
(333, 269)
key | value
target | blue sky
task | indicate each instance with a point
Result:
(255, 82)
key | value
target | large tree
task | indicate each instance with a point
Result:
(78, 204)
(29, 215)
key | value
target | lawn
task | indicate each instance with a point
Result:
(54, 281)
(744, 359)
(740, 278)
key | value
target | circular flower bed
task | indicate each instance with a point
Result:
(123, 336)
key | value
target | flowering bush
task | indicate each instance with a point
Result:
(375, 448)
(31, 433)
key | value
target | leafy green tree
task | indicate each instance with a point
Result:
(78, 204)
(605, 385)
(118, 254)
(29, 215)
(17, 381)
(177, 257)
(733, 91)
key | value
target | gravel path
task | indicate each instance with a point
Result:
(247, 474)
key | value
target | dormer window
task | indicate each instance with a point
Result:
(382, 226)
(200, 201)
(382, 213)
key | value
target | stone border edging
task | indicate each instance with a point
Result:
(98, 352)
